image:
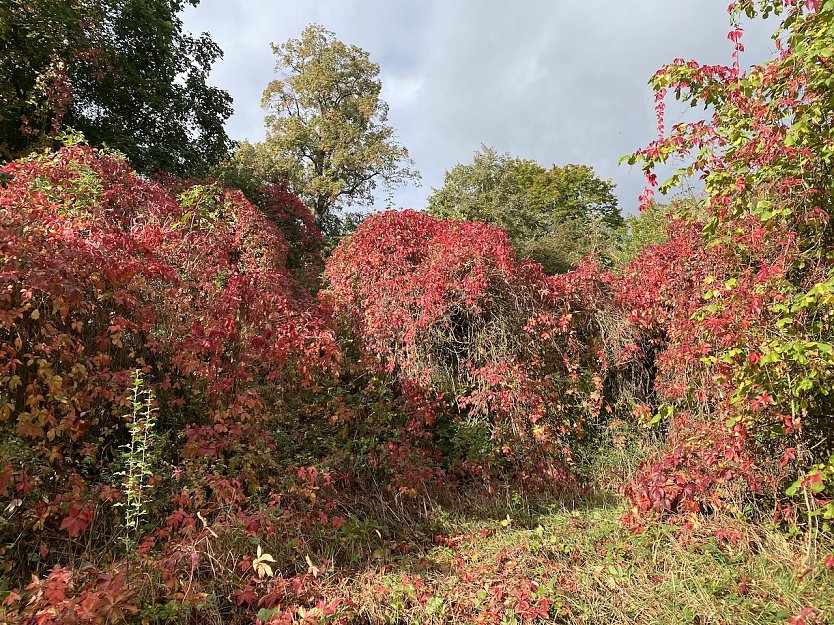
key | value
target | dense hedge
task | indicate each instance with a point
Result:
(446, 305)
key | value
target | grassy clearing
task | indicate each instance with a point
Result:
(576, 563)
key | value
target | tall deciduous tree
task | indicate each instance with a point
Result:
(554, 215)
(327, 128)
(123, 72)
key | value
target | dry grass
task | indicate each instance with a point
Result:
(476, 559)
(591, 570)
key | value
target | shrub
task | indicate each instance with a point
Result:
(746, 368)
(105, 273)
(446, 305)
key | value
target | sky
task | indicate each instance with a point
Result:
(557, 81)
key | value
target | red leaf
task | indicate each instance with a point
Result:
(78, 519)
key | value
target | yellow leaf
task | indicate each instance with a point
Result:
(260, 564)
(312, 568)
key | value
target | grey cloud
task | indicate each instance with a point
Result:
(558, 81)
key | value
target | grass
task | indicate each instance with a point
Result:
(576, 563)
(505, 560)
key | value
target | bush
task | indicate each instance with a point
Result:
(104, 274)
(446, 305)
(746, 367)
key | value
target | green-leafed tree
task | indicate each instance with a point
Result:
(650, 226)
(645, 228)
(251, 167)
(36, 40)
(555, 216)
(487, 190)
(123, 72)
(327, 128)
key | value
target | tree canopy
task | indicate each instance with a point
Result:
(123, 72)
(554, 215)
(327, 128)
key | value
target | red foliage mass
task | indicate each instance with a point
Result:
(739, 306)
(104, 273)
(447, 304)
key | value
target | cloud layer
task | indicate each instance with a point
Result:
(559, 81)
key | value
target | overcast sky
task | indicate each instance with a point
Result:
(558, 81)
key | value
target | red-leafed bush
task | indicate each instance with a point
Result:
(657, 294)
(667, 296)
(704, 311)
(701, 468)
(447, 305)
(741, 306)
(88, 596)
(103, 273)
(298, 224)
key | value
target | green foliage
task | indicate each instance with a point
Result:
(486, 190)
(250, 168)
(555, 216)
(327, 128)
(36, 40)
(138, 459)
(123, 73)
(204, 202)
(638, 231)
(468, 440)
(650, 226)
(567, 243)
